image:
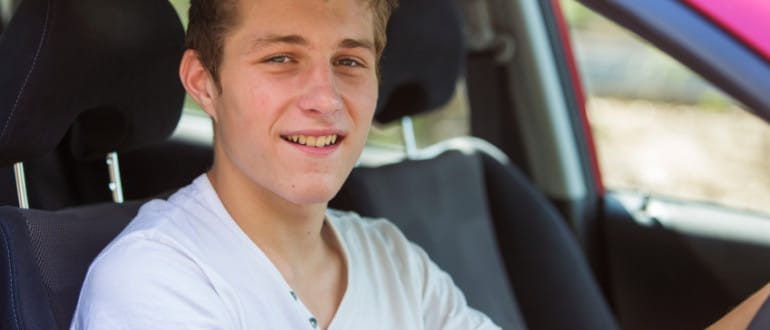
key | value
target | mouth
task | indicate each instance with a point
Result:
(320, 141)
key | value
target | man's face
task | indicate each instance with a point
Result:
(299, 88)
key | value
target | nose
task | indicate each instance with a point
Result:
(320, 93)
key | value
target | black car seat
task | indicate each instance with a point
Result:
(90, 77)
(62, 177)
(475, 214)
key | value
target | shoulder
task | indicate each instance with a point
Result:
(172, 224)
(147, 279)
(377, 242)
(187, 201)
(139, 282)
(153, 251)
(352, 221)
(149, 249)
(353, 227)
(157, 213)
(136, 259)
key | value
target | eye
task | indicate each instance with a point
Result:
(280, 59)
(349, 62)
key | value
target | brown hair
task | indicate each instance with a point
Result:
(211, 20)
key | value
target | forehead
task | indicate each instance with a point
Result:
(329, 18)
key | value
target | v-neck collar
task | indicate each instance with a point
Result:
(213, 199)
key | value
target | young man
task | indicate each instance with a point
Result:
(291, 86)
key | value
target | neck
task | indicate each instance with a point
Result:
(291, 235)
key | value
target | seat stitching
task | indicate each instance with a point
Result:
(31, 69)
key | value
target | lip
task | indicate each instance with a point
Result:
(315, 151)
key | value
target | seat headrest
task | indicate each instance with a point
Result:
(423, 60)
(104, 70)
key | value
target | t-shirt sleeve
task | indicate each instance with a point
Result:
(148, 285)
(444, 305)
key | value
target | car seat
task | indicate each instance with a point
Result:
(91, 77)
(476, 215)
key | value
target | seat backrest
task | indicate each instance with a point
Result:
(46, 256)
(91, 77)
(478, 217)
(553, 283)
(447, 218)
(80, 75)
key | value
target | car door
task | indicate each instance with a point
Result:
(669, 259)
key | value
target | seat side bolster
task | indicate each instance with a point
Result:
(20, 275)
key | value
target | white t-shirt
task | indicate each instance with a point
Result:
(185, 264)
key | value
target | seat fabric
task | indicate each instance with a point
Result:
(448, 218)
(46, 256)
(83, 77)
(554, 285)
(483, 222)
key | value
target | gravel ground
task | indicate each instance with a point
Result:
(720, 156)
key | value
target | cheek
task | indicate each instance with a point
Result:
(249, 109)
(367, 112)
(235, 126)
(363, 99)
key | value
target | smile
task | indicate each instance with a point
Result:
(313, 141)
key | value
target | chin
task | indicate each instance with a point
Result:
(314, 199)
(316, 194)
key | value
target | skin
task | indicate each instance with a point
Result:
(742, 315)
(290, 68)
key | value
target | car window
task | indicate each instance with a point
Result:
(181, 6)
(450, 120)
(661, 129)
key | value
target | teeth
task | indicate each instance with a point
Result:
(312, 141)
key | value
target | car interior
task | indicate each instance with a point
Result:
(513, 212)
(67, 97)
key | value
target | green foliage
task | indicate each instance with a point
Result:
(576, 15)
(181, 7)
(714, 101)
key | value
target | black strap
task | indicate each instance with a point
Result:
(762, 318)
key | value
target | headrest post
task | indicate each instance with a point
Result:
(21, 185)
(116, 185)
(410, 142)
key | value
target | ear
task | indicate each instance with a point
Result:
(198, 82)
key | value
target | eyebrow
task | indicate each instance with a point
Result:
(294, 39)
(264, 41)
(357, 43)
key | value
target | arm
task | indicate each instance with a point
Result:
(740, 317)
